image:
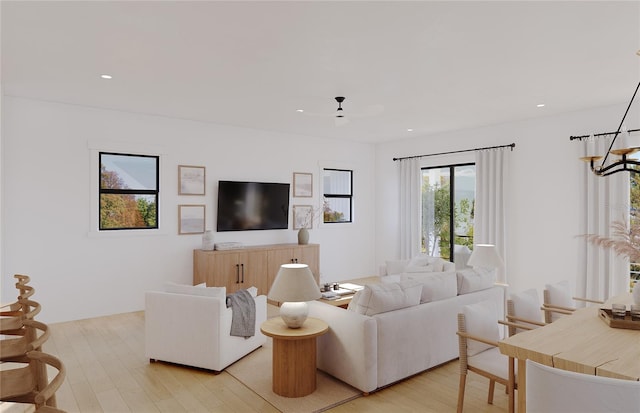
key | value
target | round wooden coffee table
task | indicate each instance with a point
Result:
(294, 355)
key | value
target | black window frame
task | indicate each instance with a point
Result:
(340, 196)
(103, 191)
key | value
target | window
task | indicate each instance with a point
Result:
(338, 195)
(128, 191)
(448, 201)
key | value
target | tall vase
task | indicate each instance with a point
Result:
(636, 292)
(303, 236)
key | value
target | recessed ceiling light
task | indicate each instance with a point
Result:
(105, 76)
(540, 105)
(300, 110)
(409, 130)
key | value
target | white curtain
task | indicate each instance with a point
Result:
(410, 190)
(601, 273)
(492, 170)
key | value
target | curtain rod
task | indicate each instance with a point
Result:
(599, 134)
(511, 145)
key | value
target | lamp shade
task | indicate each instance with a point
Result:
(294, 283)
(485, 256)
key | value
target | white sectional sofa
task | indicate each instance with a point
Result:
(369, 349)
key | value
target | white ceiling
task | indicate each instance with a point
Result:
(434, 66)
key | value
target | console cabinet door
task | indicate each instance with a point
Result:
(234, 270)
(277, 257)
(304, 254)
(253, 271)
(309, 254)
(225, 271)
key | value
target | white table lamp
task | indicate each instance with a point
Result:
(293, 287)
(485, 256)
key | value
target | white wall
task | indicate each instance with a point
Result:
(543, 219)
(47, 203)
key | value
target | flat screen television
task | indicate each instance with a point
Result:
(244, 206)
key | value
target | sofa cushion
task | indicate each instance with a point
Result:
(472, 279)
(200, 289)
(421, 269)
(435, 286)
(420, 261)
(481, 320)
(380, 298)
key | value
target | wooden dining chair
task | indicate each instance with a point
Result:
(558, 301)
(552, 390)
(19, 383)
(14, 346)
(478, 336)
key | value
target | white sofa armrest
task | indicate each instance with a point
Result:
(349, 351)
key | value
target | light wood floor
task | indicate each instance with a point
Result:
(107, 372)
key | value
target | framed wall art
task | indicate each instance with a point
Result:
(302, 185)
(302, 216)
(191, 219)
(191, 180)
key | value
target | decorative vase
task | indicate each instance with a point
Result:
(207, 240)
(636, 293)
(303, 236)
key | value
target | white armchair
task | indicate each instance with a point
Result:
(191, 328)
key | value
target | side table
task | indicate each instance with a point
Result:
(294, 355)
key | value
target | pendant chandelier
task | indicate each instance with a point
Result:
(622, 145)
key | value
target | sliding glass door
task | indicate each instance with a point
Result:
(448, 200)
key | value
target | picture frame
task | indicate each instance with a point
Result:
(191, 180)
(302, 185)
(302, 216)
(191, 219)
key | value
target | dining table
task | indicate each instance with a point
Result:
(582, 342)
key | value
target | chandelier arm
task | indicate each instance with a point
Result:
(611, 168)
(606, 155)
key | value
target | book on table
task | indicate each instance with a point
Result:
(345, 289)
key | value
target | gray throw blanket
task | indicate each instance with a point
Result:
(243, 313)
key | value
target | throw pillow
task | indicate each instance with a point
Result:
(396, 267)
(438, 264)
(471, 279)
(380, 298)
(353, 304)
(219, 292)
(420, 261)
(435, 286)
(481, 319)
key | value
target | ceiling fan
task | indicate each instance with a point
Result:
(342, 118)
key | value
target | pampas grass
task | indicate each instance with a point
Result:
(624, 239)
